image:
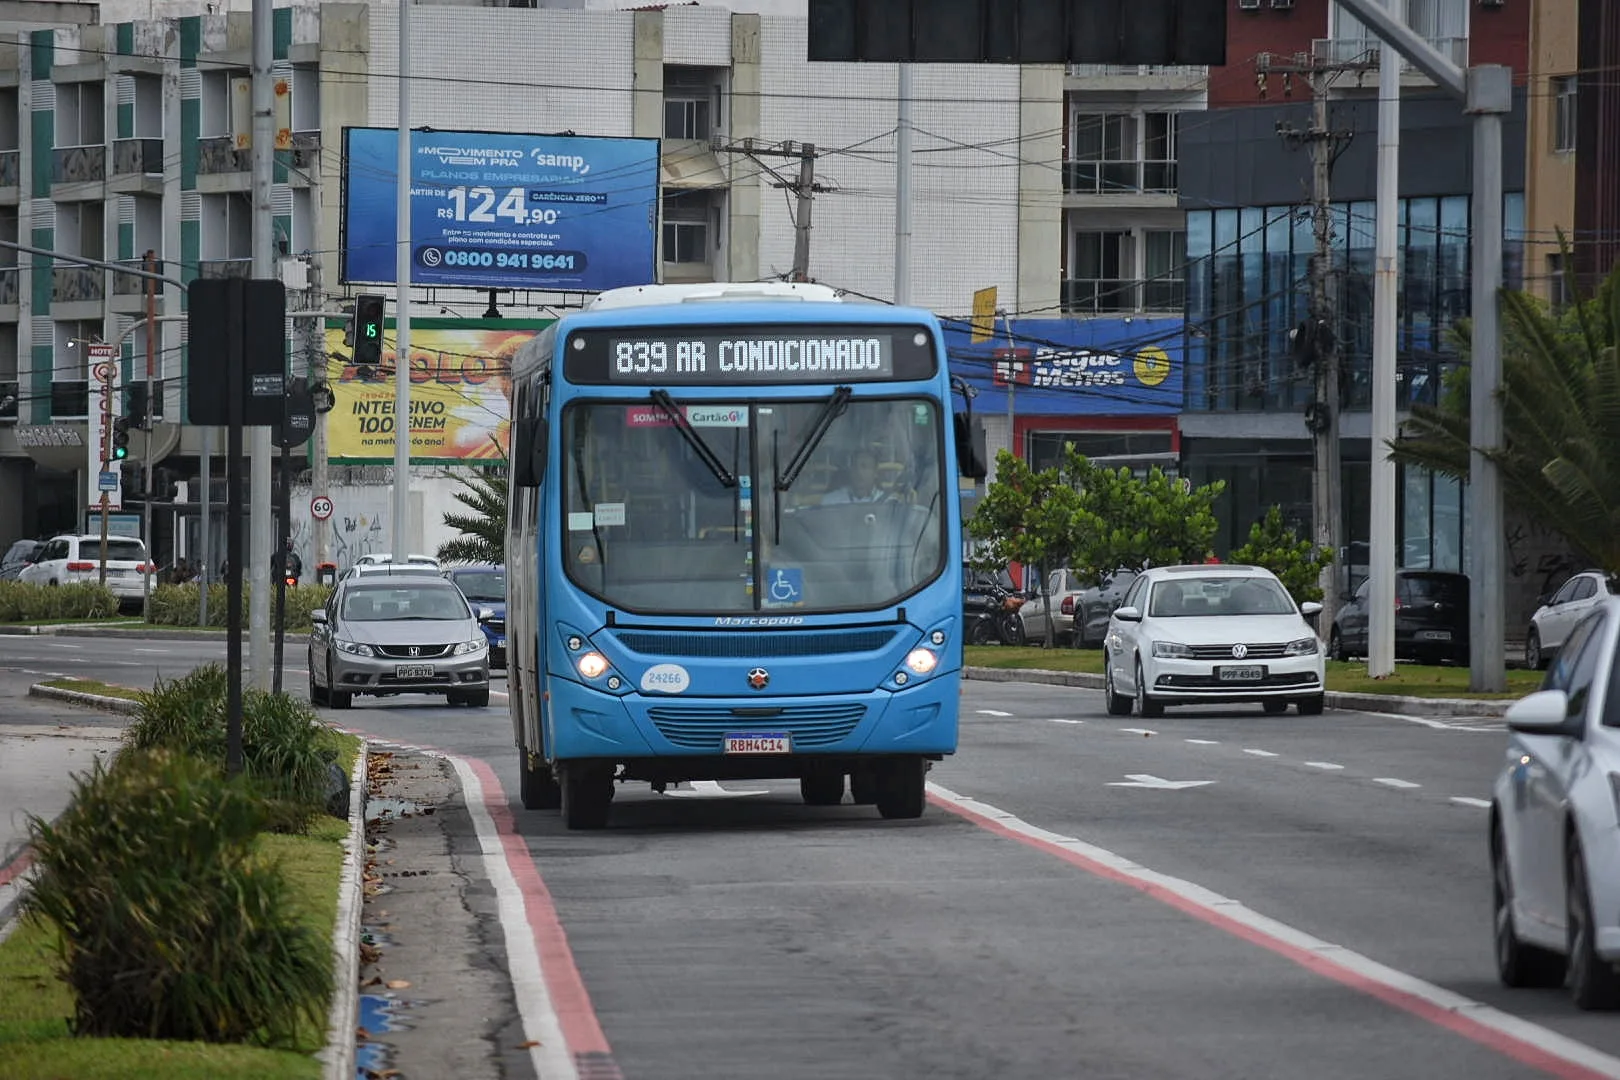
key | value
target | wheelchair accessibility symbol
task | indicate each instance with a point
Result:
(785, 587)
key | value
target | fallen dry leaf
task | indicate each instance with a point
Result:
(528, 1045)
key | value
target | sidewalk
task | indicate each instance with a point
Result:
(37, 767)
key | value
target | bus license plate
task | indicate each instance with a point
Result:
(413, 671)
(758, 742)
(1246, 673)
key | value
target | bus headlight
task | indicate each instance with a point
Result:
(922, 661)
(592, 665)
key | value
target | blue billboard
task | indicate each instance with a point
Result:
(500, 211)
(1074, 367)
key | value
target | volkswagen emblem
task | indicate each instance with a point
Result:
(759, 678)
(1239, 651)
(416, 650)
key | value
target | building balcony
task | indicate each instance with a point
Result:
(225, 268)
(79, 164)
(1135, 77)
(1365, 50)
(124, 284)
(75, 284)
(138, 156)
(219, 155)
(1119, 177)
(10, 167)
(1105, 296)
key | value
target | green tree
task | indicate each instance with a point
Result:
(1025, 517)
(1560, 456)
(483, 527)
(1297, 562)
(1124, 521)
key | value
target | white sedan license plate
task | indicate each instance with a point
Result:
(1244, 673)
(413, 671)
(758, 742)
(1434, 635)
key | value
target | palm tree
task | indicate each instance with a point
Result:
(1560, 456)
(483, 530)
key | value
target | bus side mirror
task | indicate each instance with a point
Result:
(528, 451)
(970, 457)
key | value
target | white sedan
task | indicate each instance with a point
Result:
(1555, 823)
(1211, 634)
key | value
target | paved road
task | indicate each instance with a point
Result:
(738, 933)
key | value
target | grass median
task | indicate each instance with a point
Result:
(1409, 680)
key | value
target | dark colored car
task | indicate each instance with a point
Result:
(485, 589)
(17, 556)
(1431, 618)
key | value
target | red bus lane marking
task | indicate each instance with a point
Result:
(1525, 1042)
(17, 867)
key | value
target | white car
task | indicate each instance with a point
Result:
(378, 558)
(1211, 634)
(69, 560)
(1554, 834)
(1553, 620)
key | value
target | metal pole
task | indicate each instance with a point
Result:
(801, 227)
(283, 530)
(1381, 560)
(1490, 95)
(1012, 385)
(902, 189)
(260, 449)
(402, 301)
(317, 448)
(106, 458)
(147, 427)
(205, 573)
(1326, 490)
(235, 391)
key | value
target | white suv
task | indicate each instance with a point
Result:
(69, 560)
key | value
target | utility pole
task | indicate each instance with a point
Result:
(1321, 339)
(317, 447)
(402, 294)
(803, 190)
(148, 428)
(256, 574)
(902, 185)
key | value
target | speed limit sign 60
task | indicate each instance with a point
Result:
(321, 507)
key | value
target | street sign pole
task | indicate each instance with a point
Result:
(106, 456)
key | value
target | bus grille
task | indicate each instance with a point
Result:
(702, 727)
(712, 645)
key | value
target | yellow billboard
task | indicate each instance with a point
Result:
(461, 392)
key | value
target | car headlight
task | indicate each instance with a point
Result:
(1305, 646)
(592, 665)
(471, 647)
(353, 647)
(1171, 650)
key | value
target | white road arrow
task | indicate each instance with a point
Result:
(1148, 781)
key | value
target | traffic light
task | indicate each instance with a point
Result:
(368, 329)
(120, 439)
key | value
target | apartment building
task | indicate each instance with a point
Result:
(1551, 90)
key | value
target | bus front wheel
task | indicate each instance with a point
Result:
(587, 794)
(538, 788)
(902, 788)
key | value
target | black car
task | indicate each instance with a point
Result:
(1431, 618)
(17, 556)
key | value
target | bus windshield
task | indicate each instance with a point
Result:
(651, 523)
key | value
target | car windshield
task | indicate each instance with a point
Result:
(484, 585)
(652, 525)
(387, 603)
(1218, 595)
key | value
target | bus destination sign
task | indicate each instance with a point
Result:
(748, 355)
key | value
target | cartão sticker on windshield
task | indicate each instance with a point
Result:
(609, 513)
(665, 679)
(717, 416)
(580, 521)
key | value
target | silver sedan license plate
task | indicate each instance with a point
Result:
(413, 671)
(1241, 673)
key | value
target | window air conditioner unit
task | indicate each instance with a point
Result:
(1282, 5)
(1248, 5)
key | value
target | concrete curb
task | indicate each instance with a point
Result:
(162, 634)
(338, 1057)
(94, 701)
(1422, 707)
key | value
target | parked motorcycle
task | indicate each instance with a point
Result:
(990, 612)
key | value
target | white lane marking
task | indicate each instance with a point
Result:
(991, 712)
(1323, 765)
(1260, 753)
(1483, 804)
(547, 1047)
(1478, 724)
(1493, 1028)
(1390, 781)
(161, 652)
(1148, 780)
(1061, 720)
(1138, 731)
(1203, 742)
(64, 645)
(710, 789)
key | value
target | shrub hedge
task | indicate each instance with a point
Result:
(20, 602)
(176, 605)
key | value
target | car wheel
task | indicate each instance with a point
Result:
(1336, 646)
(1534, 658)
(1311, 706)
(1118, 704)
(478, 699)
(317, 695)
(1517, 964)
(1593, 982)
(337, 699)
(1146, 706)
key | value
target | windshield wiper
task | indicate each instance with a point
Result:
(830, 411)
(662, 399)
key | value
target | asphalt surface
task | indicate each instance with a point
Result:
(737, 933)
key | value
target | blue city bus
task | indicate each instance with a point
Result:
(732, 547)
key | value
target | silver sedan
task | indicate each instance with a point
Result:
(383, 635)
(1555, 823)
